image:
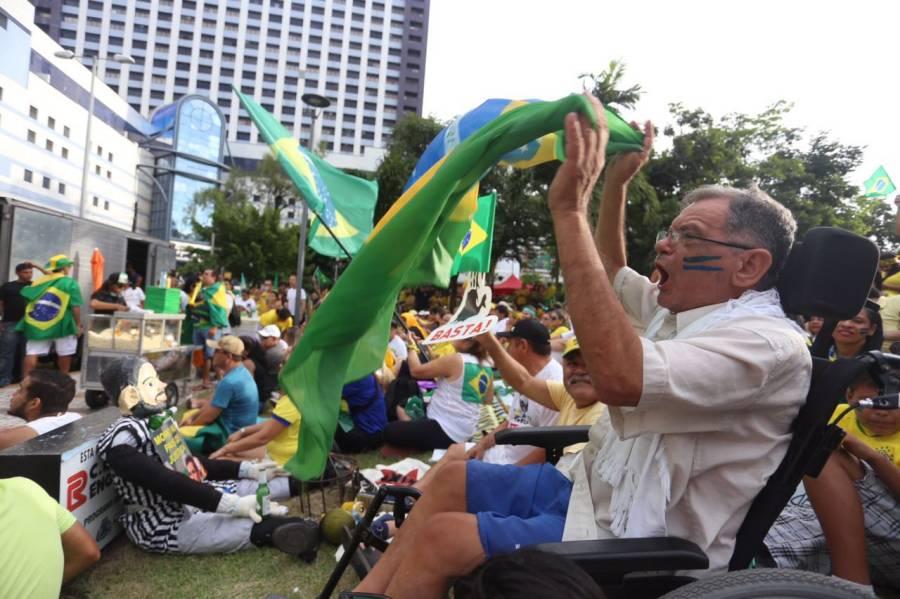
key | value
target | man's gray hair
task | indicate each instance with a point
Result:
(755, 218)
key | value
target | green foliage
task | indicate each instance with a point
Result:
(608, 87)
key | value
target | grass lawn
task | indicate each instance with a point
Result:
(126, 572)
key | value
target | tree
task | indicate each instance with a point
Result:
(608, 87)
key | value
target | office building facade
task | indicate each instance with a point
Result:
(366, 56)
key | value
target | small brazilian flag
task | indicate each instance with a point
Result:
(475, 250)
(879, 184)
(476, 381)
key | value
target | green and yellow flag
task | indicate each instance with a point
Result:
(209, 306)
(879, 184)
(475, 249)
(48, 314)
(415, 243)
(343, 202)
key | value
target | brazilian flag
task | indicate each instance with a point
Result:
(476, 381)
(343, 202)
(209, 306)
(413, 244)
(48, 314)
(879, 184)
(475, 250)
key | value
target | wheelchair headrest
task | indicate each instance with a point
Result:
(829, 273)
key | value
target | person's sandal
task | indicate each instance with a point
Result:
(299, 538)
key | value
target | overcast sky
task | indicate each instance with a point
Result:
(838, 62)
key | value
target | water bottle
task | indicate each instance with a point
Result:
(263, 505)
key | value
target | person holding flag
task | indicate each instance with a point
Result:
(209, 312)
(52, 316)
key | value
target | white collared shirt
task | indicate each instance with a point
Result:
(723, 400)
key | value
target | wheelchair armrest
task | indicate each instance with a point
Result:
(609, 560)
(548, 437)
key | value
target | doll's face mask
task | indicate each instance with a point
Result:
(142, 393)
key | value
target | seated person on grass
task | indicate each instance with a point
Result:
(43, 545)
(276, 437)
(700, 408)
(42, 400)
(856, 499)
(176, 502)
(360, 427)
(264, 357)
(234, 405)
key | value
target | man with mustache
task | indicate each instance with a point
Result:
(699, 407)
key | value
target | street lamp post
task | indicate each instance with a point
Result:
(317, 104)
(86, 167)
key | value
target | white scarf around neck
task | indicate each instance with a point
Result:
(637, 469)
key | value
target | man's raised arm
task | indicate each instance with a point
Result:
(609, 234)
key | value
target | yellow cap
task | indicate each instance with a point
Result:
(571, 345)
(58, 261)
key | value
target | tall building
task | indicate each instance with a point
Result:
(366, 56)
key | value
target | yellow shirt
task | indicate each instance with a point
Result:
(283, 447)
(569, 413)
(888, 445)
(271, 317)
(31, 553)
(890, 318)
(442, 349)
(893, 281)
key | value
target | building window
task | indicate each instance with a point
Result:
(29, 176)
(51, 122)
(97, 170)
(46, 183)
(96, 201)
(32, 137)
(106, 204)
(109, 174)
(99, 150)
(65, 153)
(65, 130)
(109, 156)
(49, 145)
(62, 188)
(33, 112)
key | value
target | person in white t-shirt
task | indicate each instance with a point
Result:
(292, 298)
(42, 400)
(502, 312)
(397, 344)
(134, 295)
(245, 303)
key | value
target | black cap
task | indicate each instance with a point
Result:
(23, 266)
(530, 330)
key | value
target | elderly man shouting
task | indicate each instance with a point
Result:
(699, 407)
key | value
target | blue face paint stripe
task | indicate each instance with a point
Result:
(692, 259)
(701, 267)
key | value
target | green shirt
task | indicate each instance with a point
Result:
(31, 553)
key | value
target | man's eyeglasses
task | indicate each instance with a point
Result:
(676, 236)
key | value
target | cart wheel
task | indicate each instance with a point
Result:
(171, 395)
(95, 399)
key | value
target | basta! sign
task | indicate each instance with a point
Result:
(454, 331)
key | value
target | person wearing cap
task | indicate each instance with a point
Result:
(234, 405)
(109, 299)
(12, 306)
(264, 356)
(52, 317)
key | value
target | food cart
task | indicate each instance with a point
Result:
(154, 337)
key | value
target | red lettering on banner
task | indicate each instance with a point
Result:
(75, 486)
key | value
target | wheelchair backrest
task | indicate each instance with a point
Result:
(828, 274)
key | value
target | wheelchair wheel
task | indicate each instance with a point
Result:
(95, 399)
(770, 583)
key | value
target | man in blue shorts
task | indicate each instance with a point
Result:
(702, 376)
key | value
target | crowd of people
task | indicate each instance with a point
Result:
(691, 384)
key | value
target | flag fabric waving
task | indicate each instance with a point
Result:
(475, 249)
(343, 202)
(346, 338)
(879, 184)
(48, 314)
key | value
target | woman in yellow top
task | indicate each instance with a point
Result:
(278, 436)
(281, 318)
